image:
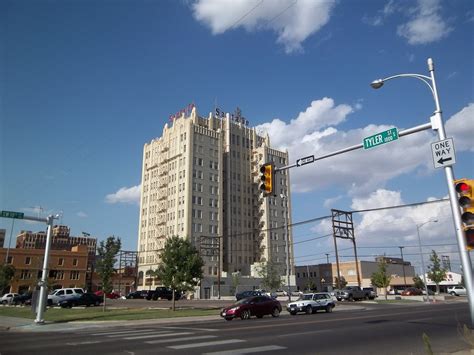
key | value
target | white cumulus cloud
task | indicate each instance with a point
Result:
(292, 20)
(314, 132)
(461, 126)
(129, 195)
(426, 24)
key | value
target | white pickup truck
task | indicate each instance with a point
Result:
(311, 303)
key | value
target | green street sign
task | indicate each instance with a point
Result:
(10, 214)
(381, 138)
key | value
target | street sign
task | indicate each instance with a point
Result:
(10, 214)
(305, 160)
(443, 153)
(381, 138)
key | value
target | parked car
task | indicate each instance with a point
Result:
(372, 292)
(62, 294)
(23, 298)
(258, 306)
(311, 303)
(137, 294)
(7, 298)
(112, 295)
(162, 292)
(85, 299)
(412, 291)
(250, 293)
(352, 293)
(457, 290)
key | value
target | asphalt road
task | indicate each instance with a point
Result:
(382, 329)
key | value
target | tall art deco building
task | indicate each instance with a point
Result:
(200, 180)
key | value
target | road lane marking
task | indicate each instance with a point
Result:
(208, 343)
(203, 329)
(181, 339)
(124, 332)
(83, 343)
(258, 349)
(142, 333)
(156, 335)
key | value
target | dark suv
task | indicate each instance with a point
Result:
(164, 293)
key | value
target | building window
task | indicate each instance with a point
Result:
(74, 275)
(25, 275)
(60, 261)
(28, 260)
(74, 262)
(10, 259)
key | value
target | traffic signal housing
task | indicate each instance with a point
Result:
(267, 177)
(465, 190)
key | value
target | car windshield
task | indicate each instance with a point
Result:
(306, 297)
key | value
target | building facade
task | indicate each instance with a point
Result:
(61, 240)
(67, 268)
(322, 277)
(200, 181)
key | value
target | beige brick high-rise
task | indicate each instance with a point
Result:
(200, 178)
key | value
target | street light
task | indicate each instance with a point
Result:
(437, 125)
(418, 226)
(403, 265)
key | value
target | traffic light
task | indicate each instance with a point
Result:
(465, 190)
(267, 177)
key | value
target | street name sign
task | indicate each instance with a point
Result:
(10, 214)
(387, 136)
(443, 153)
(305, 160)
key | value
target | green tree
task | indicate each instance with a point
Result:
(418, 282)
(106, 260)
(342, 282)
(436, 272)
(6, 275)
(271, 279)
(181, 265)
(380, 278)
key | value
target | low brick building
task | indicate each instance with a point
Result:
(66, 268)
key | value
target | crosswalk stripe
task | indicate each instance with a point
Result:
(258, 349)
(208, 343)
(136, 333)
(181, 339)
(168, 334)
(203, 329)
(124, 332)
(83, 343)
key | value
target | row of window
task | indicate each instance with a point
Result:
(28, 260)
(55, 274)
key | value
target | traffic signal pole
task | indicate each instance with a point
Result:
(436, 124)
(41, 305)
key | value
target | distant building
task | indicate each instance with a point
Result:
(2, 237)
(61, 240)
(322, 277)
(66, 268)
(200, 180)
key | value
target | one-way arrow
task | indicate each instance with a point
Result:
(442, 160)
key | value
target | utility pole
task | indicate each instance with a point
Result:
(343, 228)
(287, 244)
(327, 258)
(403, 265)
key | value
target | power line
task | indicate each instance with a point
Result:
(248, 13)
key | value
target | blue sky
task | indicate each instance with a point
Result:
(85, 84)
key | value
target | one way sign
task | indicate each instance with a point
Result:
(443, 153)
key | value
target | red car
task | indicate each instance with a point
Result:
(252, 306)
(412, 291)
(112, 295)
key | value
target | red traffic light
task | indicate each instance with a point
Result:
(462, 188)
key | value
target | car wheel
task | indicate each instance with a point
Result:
(351, 299)
(228, 319)
(275, 312)
(260, 316)
(452, 293)
(309, 310)
(97, 303)
(293, 313)
(4, 302)
(328, 309)
(245, 315)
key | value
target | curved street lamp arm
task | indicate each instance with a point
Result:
(423, 78)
